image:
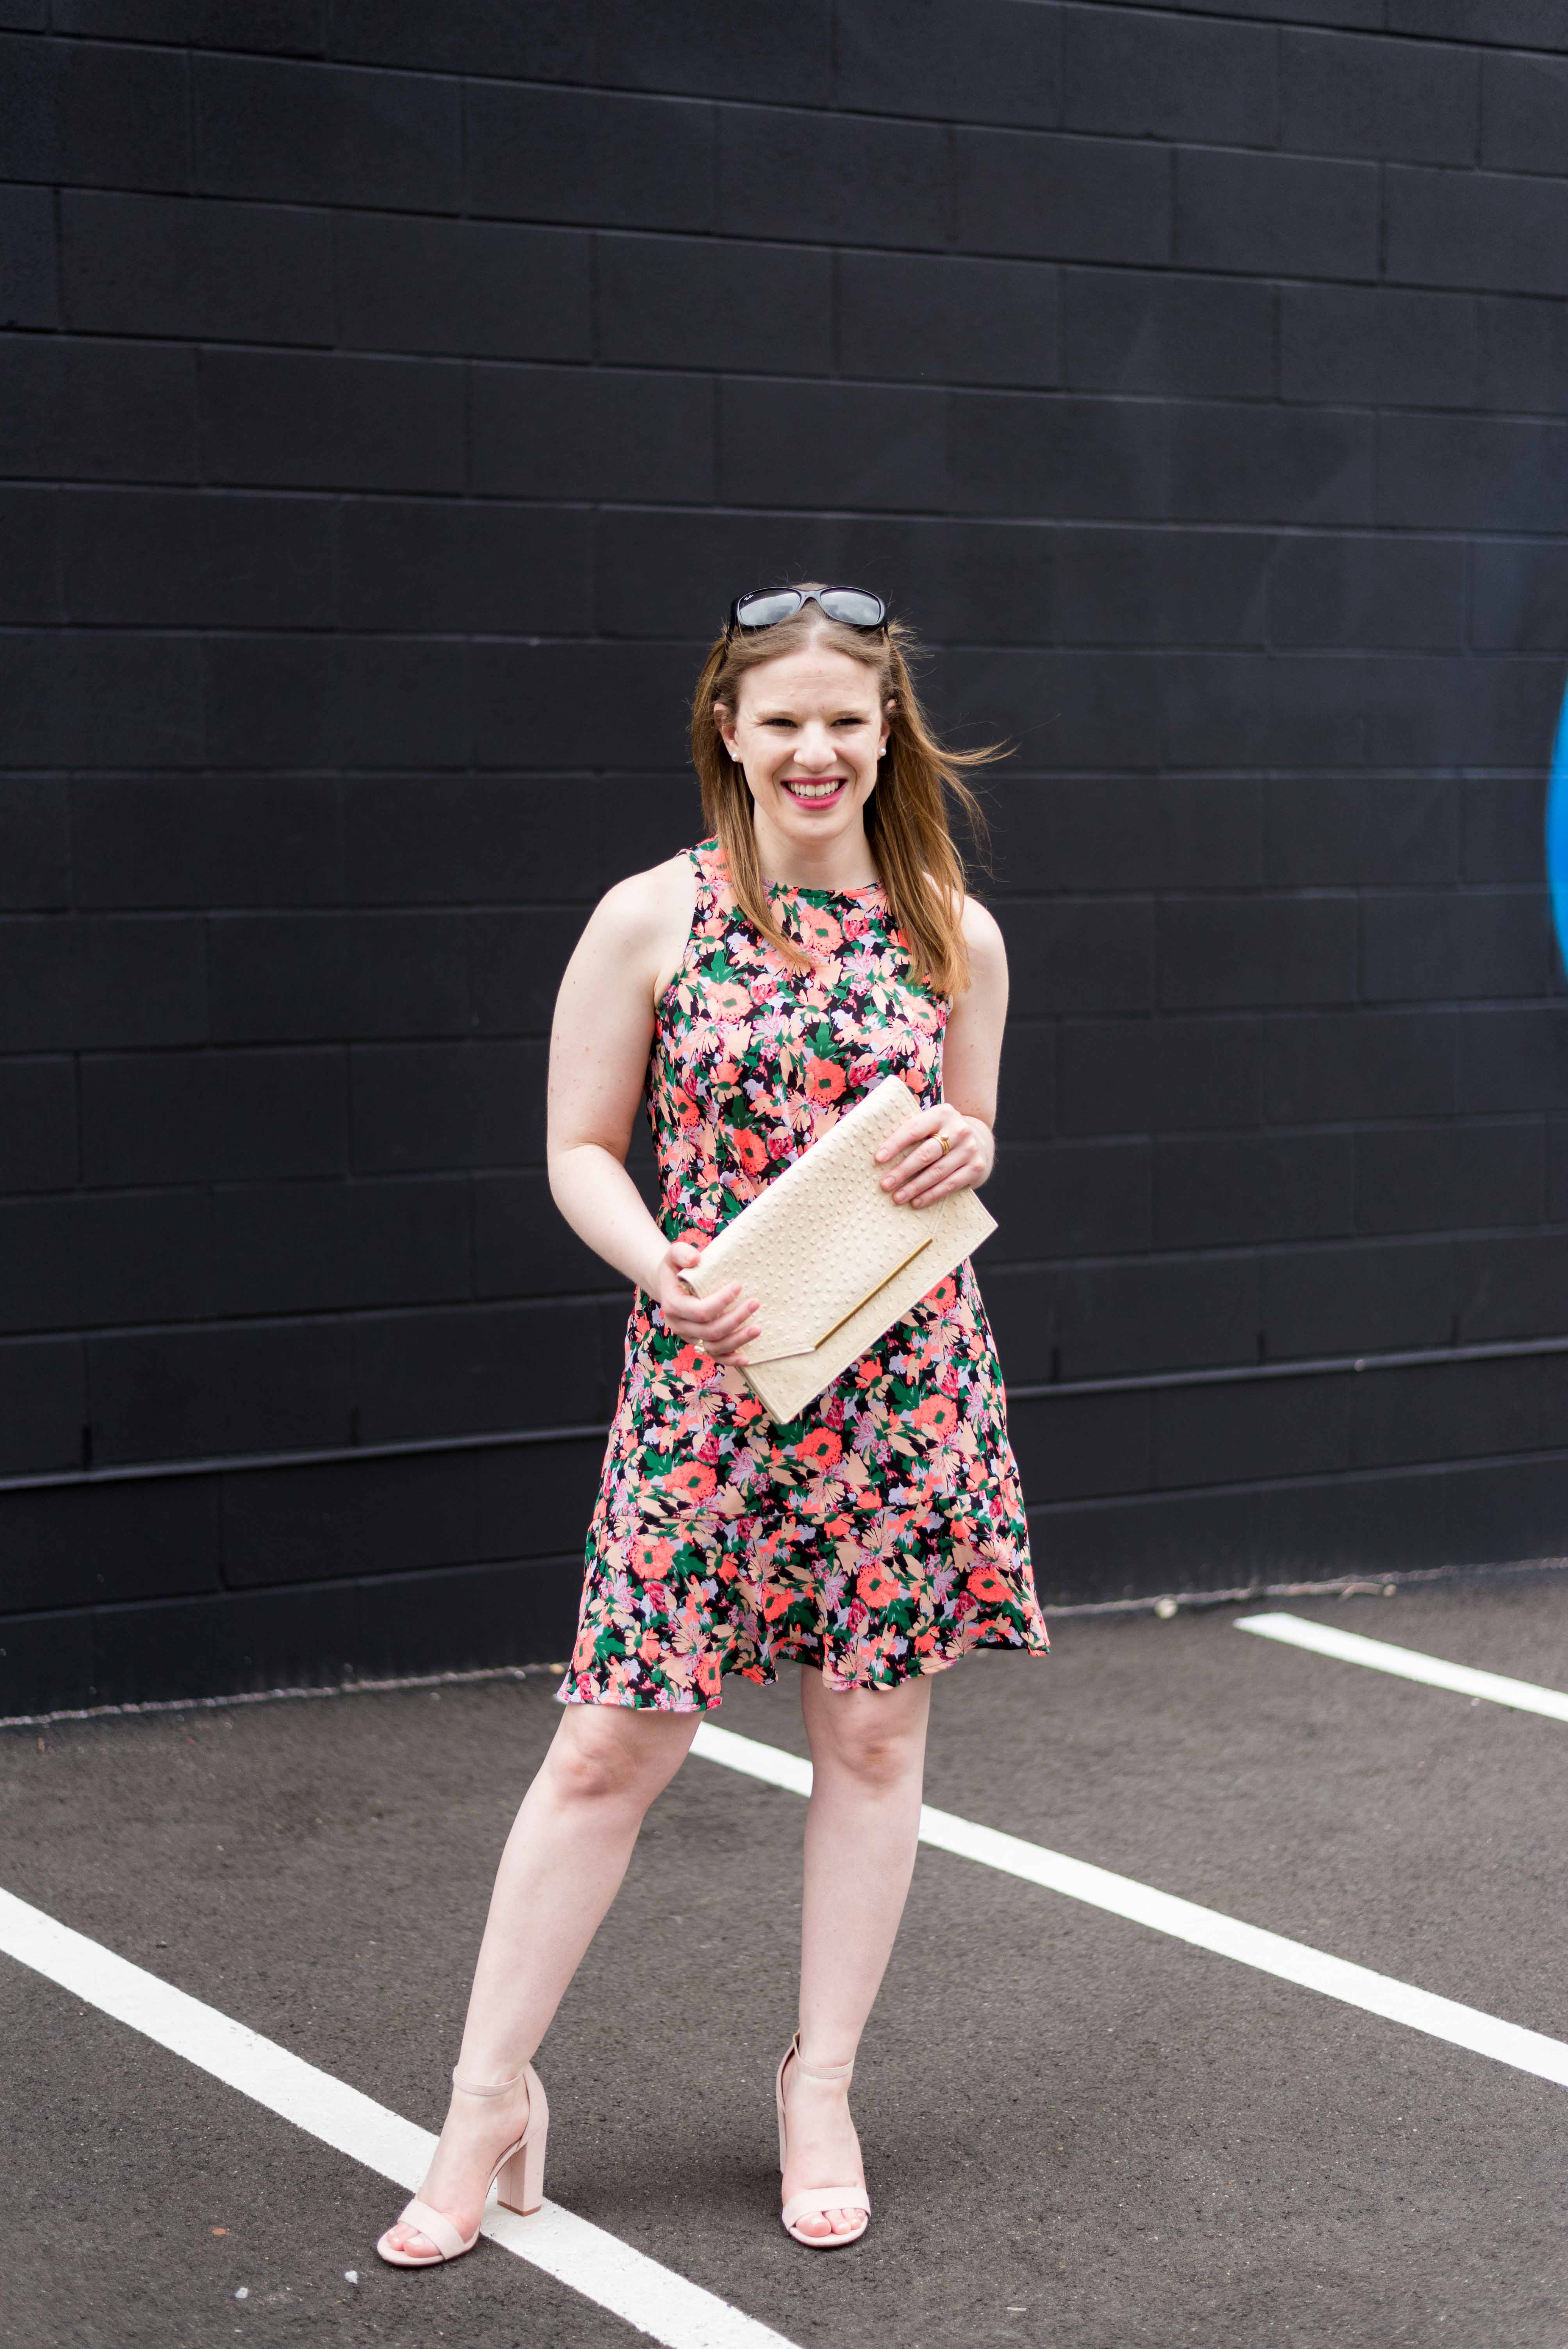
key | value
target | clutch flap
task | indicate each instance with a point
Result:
(822, 1235)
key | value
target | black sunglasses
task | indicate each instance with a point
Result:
(857, 607)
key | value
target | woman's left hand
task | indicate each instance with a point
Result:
(920, 1171)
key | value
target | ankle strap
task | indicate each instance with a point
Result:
(494, 2088)
(820, 2071)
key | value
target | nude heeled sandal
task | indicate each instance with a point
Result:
(521, 2170)
(814, 2201)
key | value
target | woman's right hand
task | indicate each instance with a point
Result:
(719, 1324)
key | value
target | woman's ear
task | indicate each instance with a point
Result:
(724, 723)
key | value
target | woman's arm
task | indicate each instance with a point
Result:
(599, 1044)
(971, 1063)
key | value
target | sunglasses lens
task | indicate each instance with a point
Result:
(765, 611)
(853, 606)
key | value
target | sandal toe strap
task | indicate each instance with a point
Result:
(435, 2225)
(817, 2200)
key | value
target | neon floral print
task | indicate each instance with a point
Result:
(882, 1533)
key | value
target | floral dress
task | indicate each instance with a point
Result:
(882, 1533)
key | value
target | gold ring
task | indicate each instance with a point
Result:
(946, 1143)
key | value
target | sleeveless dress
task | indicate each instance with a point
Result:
(882, 1533)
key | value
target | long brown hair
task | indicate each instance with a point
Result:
(905, 816)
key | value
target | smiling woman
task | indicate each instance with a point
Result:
(817, 940)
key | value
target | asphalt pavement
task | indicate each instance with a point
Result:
(1081, 2132)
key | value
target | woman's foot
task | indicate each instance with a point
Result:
(476, 2132)
(822, 2147)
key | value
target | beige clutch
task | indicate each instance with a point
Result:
(831, 1258)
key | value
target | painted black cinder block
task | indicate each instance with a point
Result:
(1300, 216)
(1416, 101)
(188, 559)
(1514, 1060)
(408, 284)
(1523, 354)
(38, 1150)
(299, 977)
(659, 298)
(29, 268)
(126, 1257)
(336, 701)
(956, 319)
(1368, 1298)
(707, 48)
(1383, 345)
(1075, 1199)
(416, 564)
(1367, 591)
(30, 587)
(1443, 1178)
(418, 1107)
(189, 268)
(99, 411)
(509, 1211)
(1251, 464)
(262, 1386)
(316, 421)
(308, 133)
(1137, 1076)
(1230, 1434)
(550, 432)
(1148, 331)
(45, 1661)
(1170, 76)
(1377, 1064)
(183, 1117)
(1478, 228)
(99, 115)
(1216, 1191)
(307, 1248)
(1524, 114)
(102, 980)
(1339, 832)
(1011, 454)
(43, 1405)
(79, 1544)
(951, 58)
(1518, 596)
(35, 842)
(1063, 198)
(848, 446)
(294, 26)
(458, 1371)
(1481, 942)
(587, 157)
(890, 183)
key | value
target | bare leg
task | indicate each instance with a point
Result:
(560, 1869)
(868, 1758)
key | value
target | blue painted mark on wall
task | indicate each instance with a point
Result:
(1557, 832)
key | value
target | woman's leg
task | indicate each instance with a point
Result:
(868, 1760)
(561, 1868)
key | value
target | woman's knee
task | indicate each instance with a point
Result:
(869, 1736)
(615, 1753)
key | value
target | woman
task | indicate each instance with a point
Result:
(817, 940)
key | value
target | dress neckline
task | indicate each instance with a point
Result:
(798, 889)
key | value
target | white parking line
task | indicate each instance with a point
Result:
(600, 2266)
(1206, 1929)
(1408, 1663)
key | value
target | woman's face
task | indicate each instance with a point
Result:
(809, 730)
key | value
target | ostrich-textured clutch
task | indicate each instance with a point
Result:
(831, 1258)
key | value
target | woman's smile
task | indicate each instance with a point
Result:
(816, 791)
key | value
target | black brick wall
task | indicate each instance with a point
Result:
(392, 396)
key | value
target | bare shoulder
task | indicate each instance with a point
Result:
(641, 903)
(642, 922)
(982, 935)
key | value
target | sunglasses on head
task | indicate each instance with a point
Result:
(857, 607)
